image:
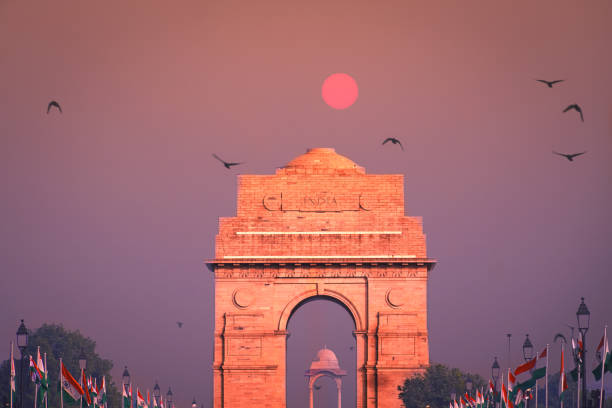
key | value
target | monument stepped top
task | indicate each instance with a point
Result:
(321, 160)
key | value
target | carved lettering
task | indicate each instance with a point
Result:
(321, 201)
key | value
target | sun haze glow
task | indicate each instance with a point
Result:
(339, 91)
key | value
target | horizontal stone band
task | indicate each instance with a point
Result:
(318, 232)
(317, 256)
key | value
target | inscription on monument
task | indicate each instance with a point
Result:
(319, 201)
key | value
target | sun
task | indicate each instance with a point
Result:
(339, 91)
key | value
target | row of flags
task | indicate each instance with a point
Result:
(141, 402)
(88, 391)
(514, 393)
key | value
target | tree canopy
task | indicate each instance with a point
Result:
(58, 342)
(434, 387)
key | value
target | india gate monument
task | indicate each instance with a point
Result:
(318, 228)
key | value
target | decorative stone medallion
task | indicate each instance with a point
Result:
(396, 297)
(243, 298)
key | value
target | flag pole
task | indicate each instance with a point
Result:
(562, 373)
(81, 382)
(12, 376)
(603, 365)
(46, 379)
(61, 384)
(546, 399)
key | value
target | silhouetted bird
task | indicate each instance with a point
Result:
(317, 387)
(394, 141)
(227, 165)
(550, 83)
(52, 104)
(569, 157)
(352, 347)
(575, 107)
(179, 324)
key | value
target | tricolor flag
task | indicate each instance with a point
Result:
(562, 380)
(491, 389)
(12, 375)
(101, 391)
(93, 391)
(42, 373)
(71, 389)
(504, 396)
(523, 368)
(455, 403)
(140, 401)
(86, 394)
(479, 399)
(605, 359)
(155, 402)
(161, 401)
(127, 398)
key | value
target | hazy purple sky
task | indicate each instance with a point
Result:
(109, 210)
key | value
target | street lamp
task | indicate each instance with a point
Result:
(169, 398)
(495, 375)
(82, 361)
(527, 349)
(468, 385)
(22, 343)
(156, 393)
(583, 316)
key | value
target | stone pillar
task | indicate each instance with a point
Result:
(339, 386)
(311, 403)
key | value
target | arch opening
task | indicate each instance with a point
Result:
(318, 322)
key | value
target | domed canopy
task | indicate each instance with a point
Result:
(322, 160)
(325, 361)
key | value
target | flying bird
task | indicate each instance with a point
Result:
(394, 141)
(550, 83)
(317, 387)
(179, 324)
(352, 347)
(576, 108)
(228, 165)
(52, 104)
(569, 157)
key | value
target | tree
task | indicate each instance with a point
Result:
(434, 387)
(58, 342)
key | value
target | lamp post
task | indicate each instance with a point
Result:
(126, 383)
(583, 316)
(468, 386)
(82, 361)
(22, 344)
(527, 356)
(495, 375)
(169, 398)
(156, 393)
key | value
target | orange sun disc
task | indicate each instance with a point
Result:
(339, 91)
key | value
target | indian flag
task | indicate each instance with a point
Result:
(562, 380)
(140, 401)
(504, 396)
(127, 397)
(12, 377)
(42, 372)
(86, 394)
(93, 391)
(101, 391)
(71, 389)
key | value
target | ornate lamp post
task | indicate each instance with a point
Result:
(156, 393)
(126, 384)
(22, 343)
(583, 316)
(169, 396)
(83, 361)
(528, 356)
(495, 375)
(468, 386)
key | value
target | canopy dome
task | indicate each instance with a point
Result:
(321, 160)
(325, 362)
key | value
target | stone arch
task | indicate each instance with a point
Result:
(309, 295)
